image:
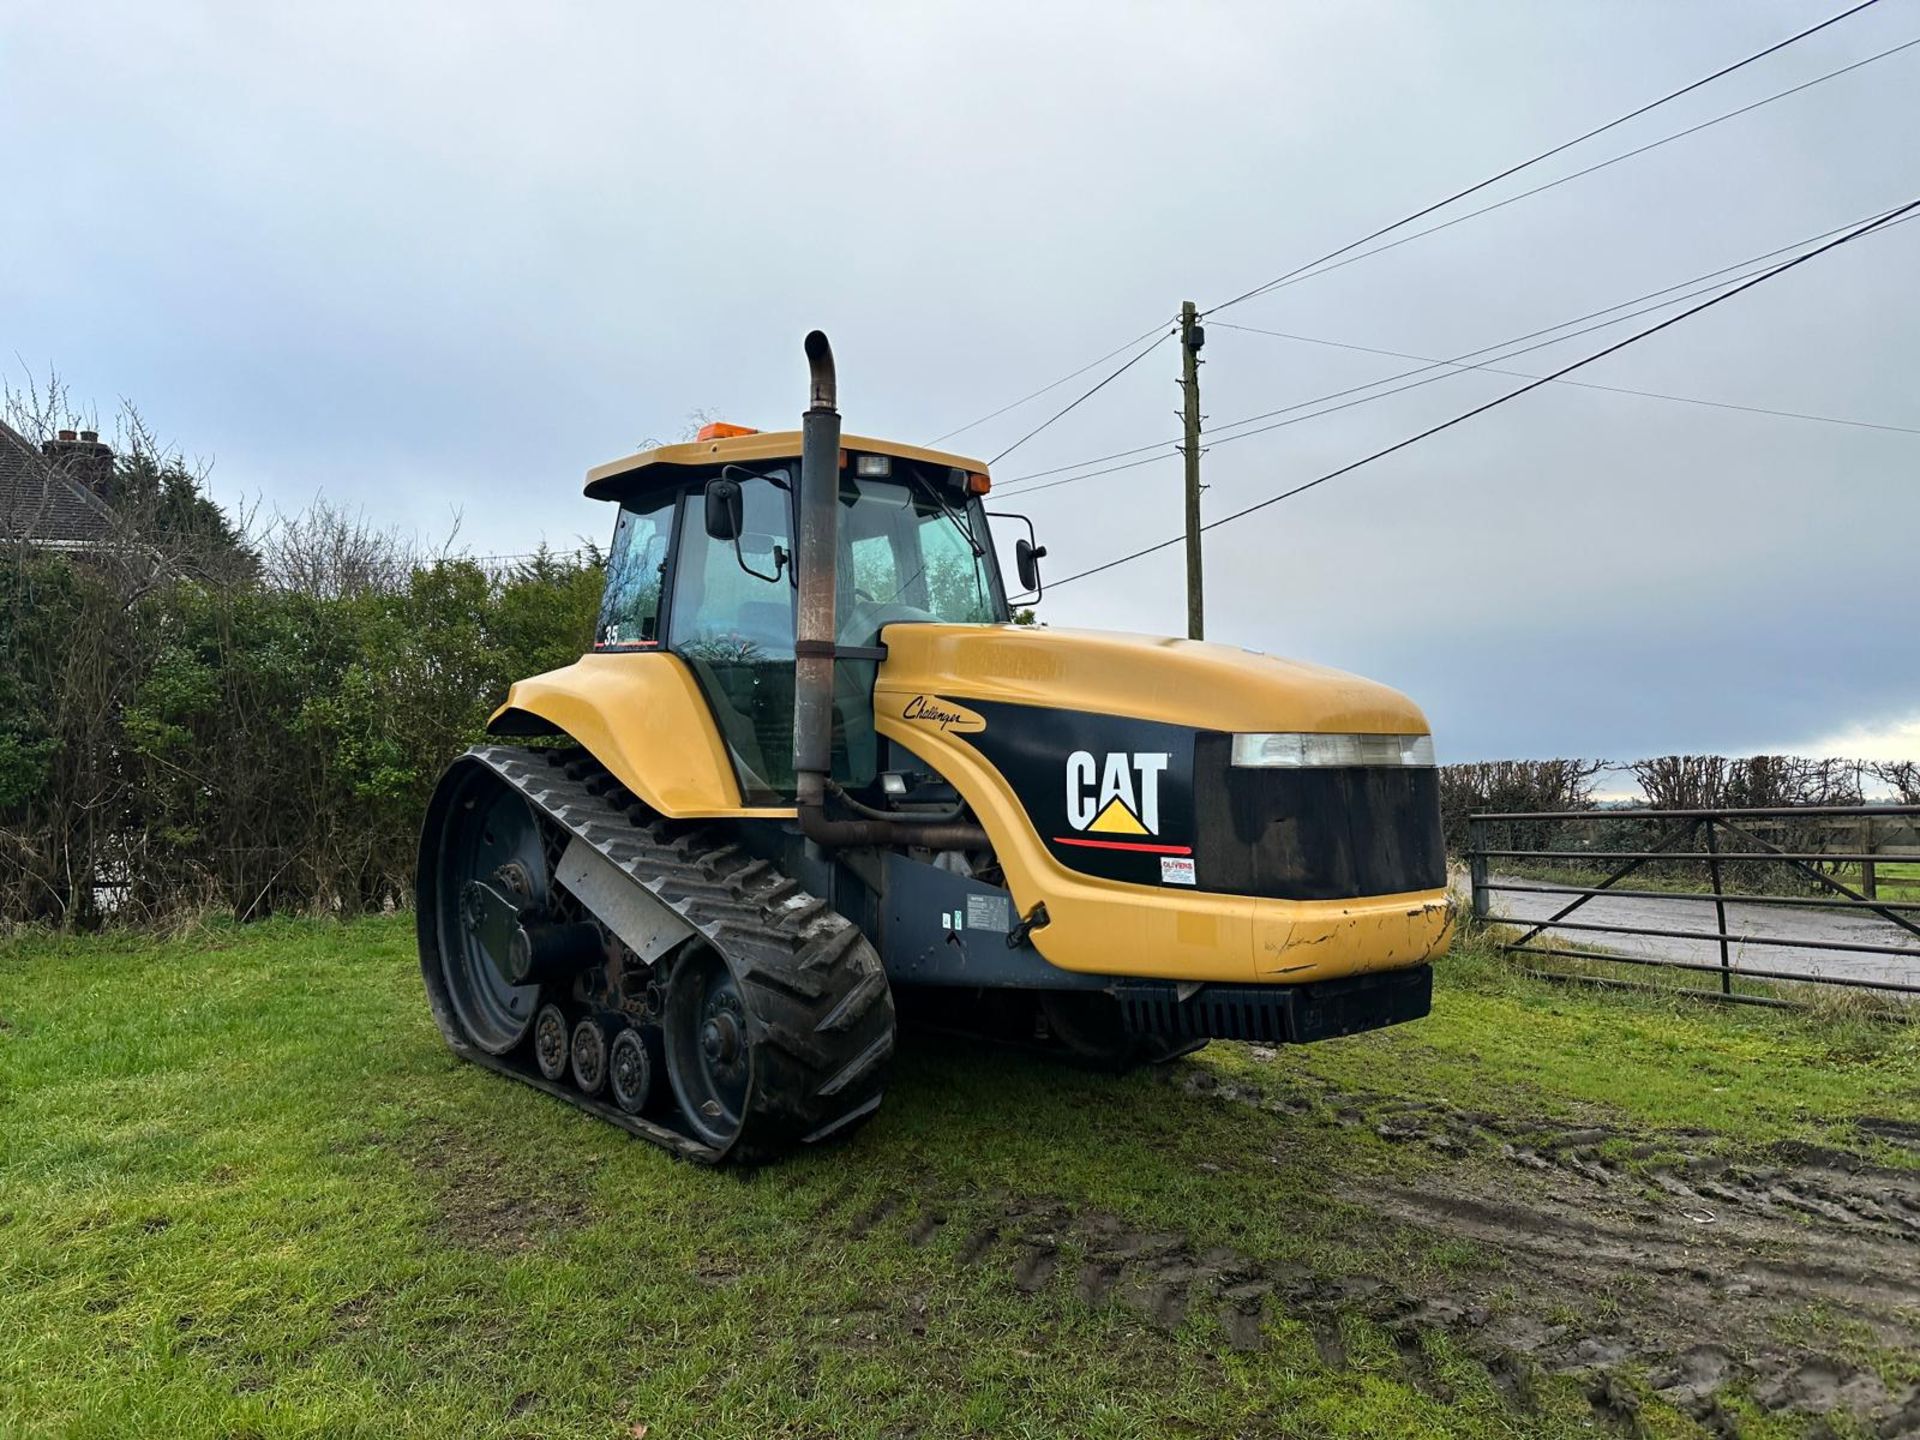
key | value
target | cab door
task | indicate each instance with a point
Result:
(731, 620)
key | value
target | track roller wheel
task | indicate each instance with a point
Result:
(590, 1056)
(630, 1070)
(550, 1045)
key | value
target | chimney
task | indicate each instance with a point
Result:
(80, 456)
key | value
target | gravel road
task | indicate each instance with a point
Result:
(1792, 923)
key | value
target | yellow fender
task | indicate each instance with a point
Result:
(644, 718)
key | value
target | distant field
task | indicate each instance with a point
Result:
(245, 1191)
(1894, 880)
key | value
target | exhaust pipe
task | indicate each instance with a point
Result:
(818, 562)
(817, 559)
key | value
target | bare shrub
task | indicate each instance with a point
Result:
(334, 554)
(1513, 786)
(1757, 782)
(1681, 782)
(1902, 775)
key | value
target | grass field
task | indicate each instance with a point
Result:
(245, 1191)
(1893, 880)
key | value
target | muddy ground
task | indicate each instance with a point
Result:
(1651, 1268)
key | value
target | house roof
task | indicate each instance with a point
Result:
(39, 502)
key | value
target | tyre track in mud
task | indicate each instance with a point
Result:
(1673, 1269)
(1728, 1235)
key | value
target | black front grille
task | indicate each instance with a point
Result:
(1314, 834)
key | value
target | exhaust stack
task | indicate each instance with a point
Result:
(817, 560)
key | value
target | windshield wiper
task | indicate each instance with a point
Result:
(959, 524)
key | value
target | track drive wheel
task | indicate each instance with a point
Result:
(761, 1058)
(709, 1050)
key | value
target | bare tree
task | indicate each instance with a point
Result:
(1902, 775)
(333, 554)
(1513, 786)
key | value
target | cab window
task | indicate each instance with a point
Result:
(636, 568)
(908, 557)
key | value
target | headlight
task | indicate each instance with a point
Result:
(1300, 751)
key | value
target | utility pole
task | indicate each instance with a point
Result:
(1192, 336)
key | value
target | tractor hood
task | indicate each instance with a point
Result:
(1103, 768)
(1103, 672)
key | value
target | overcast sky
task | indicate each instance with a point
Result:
(440, 259)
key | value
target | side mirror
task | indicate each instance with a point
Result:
(723, 509)
(1026, 559)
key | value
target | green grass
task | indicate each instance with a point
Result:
(1657, 1059)
(1892, 880)
(245, 1191)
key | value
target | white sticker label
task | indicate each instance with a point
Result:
(1176, 870)
(989, 912)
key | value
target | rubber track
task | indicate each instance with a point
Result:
(821, 1014)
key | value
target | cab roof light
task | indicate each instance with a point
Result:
(968, 482)
(872, 467)
(721, 430)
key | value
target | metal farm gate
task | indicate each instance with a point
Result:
(1827, 895)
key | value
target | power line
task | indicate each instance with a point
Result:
(1547, 154)
(1582, 384)
(1084, 395)
(1168, 454)
(1297, 277)
(555, 555)
(1696, 285)
(1531, 385)
(1300, 271)
(1090, 460)
(1055, 385)
(1509, 353)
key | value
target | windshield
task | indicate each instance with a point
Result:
(912, 551)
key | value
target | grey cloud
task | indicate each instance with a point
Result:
(430, 259)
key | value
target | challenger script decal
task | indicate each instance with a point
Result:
(932, 710)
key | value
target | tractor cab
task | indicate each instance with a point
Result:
(703, 565)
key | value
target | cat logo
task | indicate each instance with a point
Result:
(1114, 801)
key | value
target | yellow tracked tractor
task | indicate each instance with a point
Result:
(809, 777)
